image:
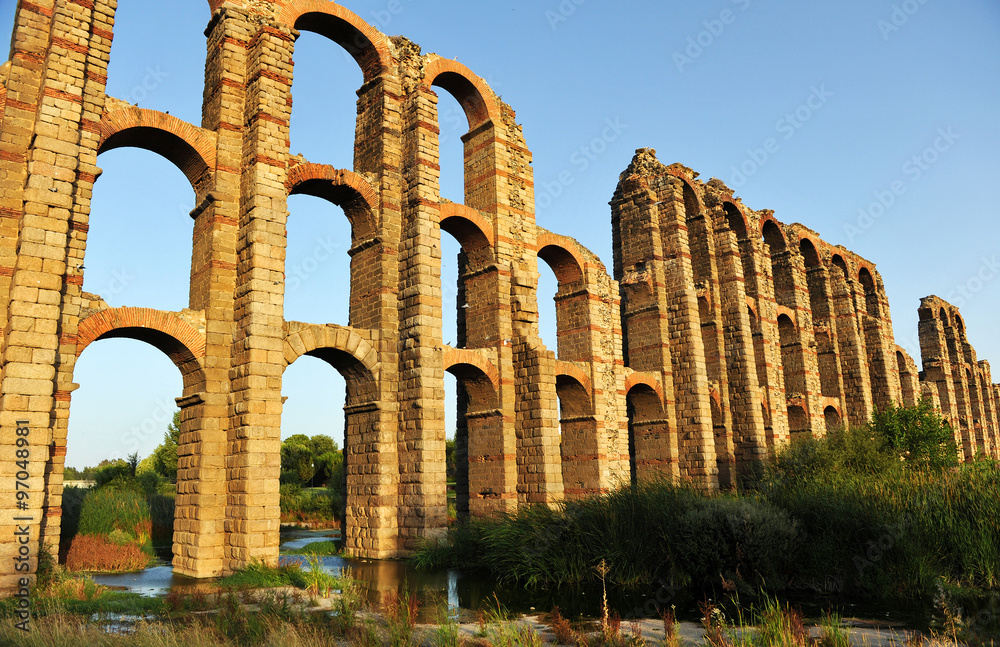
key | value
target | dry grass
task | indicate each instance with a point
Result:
(97, 553)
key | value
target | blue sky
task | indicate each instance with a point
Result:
(878, 120)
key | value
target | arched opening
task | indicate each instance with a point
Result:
(824, 327)
(737, 223)
(469, 287)
(451, 150)
(793, 368)
(569, 307)
(548, 307)
(483, 469)
(798, 422)
(647, 433)
(839, 262)
(479, 145)
(871, 294)
(318, 249)
(784, 285)
(139, 249)
(578, 435)
(361, 428)
(763, 378)
(313, 400)
(773, 237)
(318, 276)
(325, 107)
(453, 299)
(124, 406)
(832, 417)
(809, 253)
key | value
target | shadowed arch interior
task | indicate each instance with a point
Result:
(481, 479)
(735, 220)
(809, 253)
(645, 426)
(355, 207)
(773, 237)
(166, 144)
(467, 95)
(871, 294)
(348, 36)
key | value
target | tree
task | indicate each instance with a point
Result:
(297, 461)
(321, 444)
(330, 468)
(164, 457)
(918, 434)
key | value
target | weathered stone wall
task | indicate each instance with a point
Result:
(722, 334)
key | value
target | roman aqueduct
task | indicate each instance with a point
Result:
(722, 334)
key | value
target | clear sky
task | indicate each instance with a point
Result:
(879, 121)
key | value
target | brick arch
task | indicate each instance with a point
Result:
(691, 198)
(367, 46)
(190, 149)
(304, 339)
(470, 229)
(813, 259)
(454, 357)
(471, 91)
(866, 279)
(839, 261)
(346, 189)
(166, 331)
(764, 228)
(344, 350)
(636, 378)
(574, 372)
(562, 255)
(735, 216)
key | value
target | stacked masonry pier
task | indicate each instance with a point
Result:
(723, 333)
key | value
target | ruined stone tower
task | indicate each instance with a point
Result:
(732, 332)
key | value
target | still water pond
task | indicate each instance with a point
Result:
(465, 594)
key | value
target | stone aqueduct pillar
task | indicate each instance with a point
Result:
(730, 330)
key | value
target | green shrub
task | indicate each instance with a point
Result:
(110, 508)
(918, 435)
(739, 539)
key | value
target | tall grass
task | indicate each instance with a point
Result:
(652, 532)
(875, 511)
(313, 506)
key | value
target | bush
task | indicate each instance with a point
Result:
(96, 553)
(110, 508)
(118, 471)
(740, 539)
(918, 435)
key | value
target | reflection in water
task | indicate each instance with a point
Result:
(155, 581)
(464, 594)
